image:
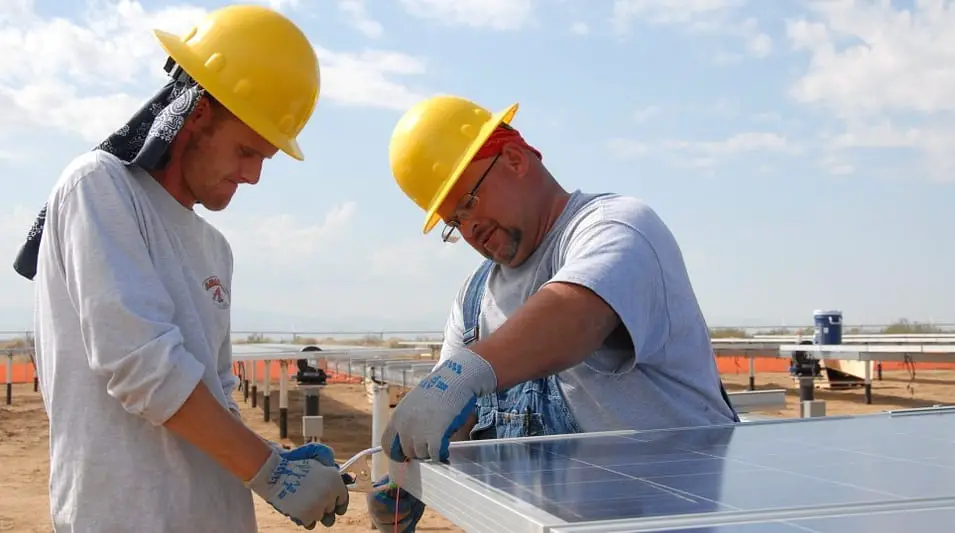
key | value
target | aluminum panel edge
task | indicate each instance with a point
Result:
(468, 503)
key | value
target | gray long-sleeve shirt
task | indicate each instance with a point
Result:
(132, 311)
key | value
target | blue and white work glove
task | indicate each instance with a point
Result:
(393, 509)
(424, 420)
(303, 484)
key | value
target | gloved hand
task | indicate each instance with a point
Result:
(392, 508)
(304, 484)
(424, 420)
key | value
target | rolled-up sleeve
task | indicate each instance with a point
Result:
(125, 312)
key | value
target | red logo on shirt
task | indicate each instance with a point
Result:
(218, 291)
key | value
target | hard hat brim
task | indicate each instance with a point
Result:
(177, 50)
(505, 116)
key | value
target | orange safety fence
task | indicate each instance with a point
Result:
(739, 364)
(22, 372)
(276, 372)
(727, 364)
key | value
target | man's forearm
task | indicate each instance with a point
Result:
(205, 423)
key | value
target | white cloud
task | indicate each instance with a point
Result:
(704, 154)
(75, 76)
(12, 10)
(86, 76)
(579, 28)
(723, 108)
(836, 165)
(365, 78)
(10, 156)
(278, 240)
(897, 60)
(935, 143)
(357, 14)
(282, 5)
(888, 74)
(713, 17)
(738, 143)
(697, 13)
(103, 50)
(492, 14)
(760, 45)
(58, 106)
(644, 114)
(629, 148)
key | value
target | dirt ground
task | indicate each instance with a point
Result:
(24, 446)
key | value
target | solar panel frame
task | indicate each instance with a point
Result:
(477, 506)
(254, 352)
(845, 519)
(919, 353)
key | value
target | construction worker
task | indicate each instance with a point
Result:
(133, 287)
(589, 322)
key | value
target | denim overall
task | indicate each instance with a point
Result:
(532, 408)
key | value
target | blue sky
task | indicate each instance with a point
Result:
(801, 152)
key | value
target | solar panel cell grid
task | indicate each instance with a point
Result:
(707, 470)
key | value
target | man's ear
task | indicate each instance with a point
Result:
(515, 158)
(200, 118)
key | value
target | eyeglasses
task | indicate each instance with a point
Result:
(467, 203)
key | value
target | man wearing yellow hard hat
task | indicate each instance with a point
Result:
(582, 317)
(133, 292)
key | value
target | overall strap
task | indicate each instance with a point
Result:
(472, 301)
(729, 404)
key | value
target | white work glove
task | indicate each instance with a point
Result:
(303, 484)
(424, 420)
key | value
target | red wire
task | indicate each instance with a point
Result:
(401, 475)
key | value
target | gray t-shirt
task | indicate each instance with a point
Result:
(619, 248)
(132, 311)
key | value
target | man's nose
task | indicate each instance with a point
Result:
(251, 171)
(469, 228)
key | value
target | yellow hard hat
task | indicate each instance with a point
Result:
(434, 142)
(256, 63)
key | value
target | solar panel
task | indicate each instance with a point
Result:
(668, 479)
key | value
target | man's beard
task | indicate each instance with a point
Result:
(509, 251)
